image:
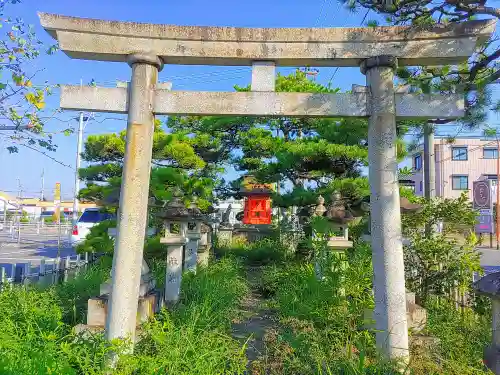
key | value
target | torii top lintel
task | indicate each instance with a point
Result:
(93, 39)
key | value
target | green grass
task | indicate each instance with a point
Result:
(195, 338)
(320, 329)
(192, 338)
(462, 338)
(261, 252)
(36, 335)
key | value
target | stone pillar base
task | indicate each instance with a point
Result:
(416, 315)
(203, 257)
(148, 305)
(225, 236)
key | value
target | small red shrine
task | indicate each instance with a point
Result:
(257, 209)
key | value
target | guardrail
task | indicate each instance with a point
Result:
(48, 270)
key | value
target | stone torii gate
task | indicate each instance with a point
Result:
(146, 47)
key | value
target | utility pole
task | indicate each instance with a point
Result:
(19, 207)
(77, 165)
(42, 193)
(497, 227)
(429, 168)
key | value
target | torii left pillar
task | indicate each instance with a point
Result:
(132, 217)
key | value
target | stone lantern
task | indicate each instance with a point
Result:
(338, 217)
(490, 286)
(193, 234)
(363, 207)
(176, 218)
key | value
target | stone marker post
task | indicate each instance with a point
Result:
(387, 247)
(193, 235)
(127, 259)
(176, 217)
(204, 245)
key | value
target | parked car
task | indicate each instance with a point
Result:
(89, 218)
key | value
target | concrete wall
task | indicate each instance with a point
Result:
(476, 167)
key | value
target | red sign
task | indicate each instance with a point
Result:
(257, 210)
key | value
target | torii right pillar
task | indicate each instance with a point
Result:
(387, 247)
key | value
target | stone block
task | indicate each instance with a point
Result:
(98, 309)
(416, 315)
(203, 258)
(148, 306)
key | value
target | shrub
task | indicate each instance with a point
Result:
(73, 294)
(322, 329)
(462, 337)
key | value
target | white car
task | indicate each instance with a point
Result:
(89, 218)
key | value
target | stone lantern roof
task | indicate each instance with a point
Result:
(194, 211)
(175, 210)
(489, 285)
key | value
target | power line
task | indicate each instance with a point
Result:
(41, 152)
(337, 68)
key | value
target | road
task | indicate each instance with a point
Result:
(34, 246)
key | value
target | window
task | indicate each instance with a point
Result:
(418, 162)
(421, 186)
(460, 182)
(490, 153)
(94, 216)
(459, 153)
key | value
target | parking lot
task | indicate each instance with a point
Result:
(36, 242)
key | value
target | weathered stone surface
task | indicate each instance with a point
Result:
(97, 311)
(263, 76)
(148, 283)
(416, 315)
(113, 41)
(99, 99)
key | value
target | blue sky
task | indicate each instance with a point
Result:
(59, 69)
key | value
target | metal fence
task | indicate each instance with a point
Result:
(38, 252)
(47, 271)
